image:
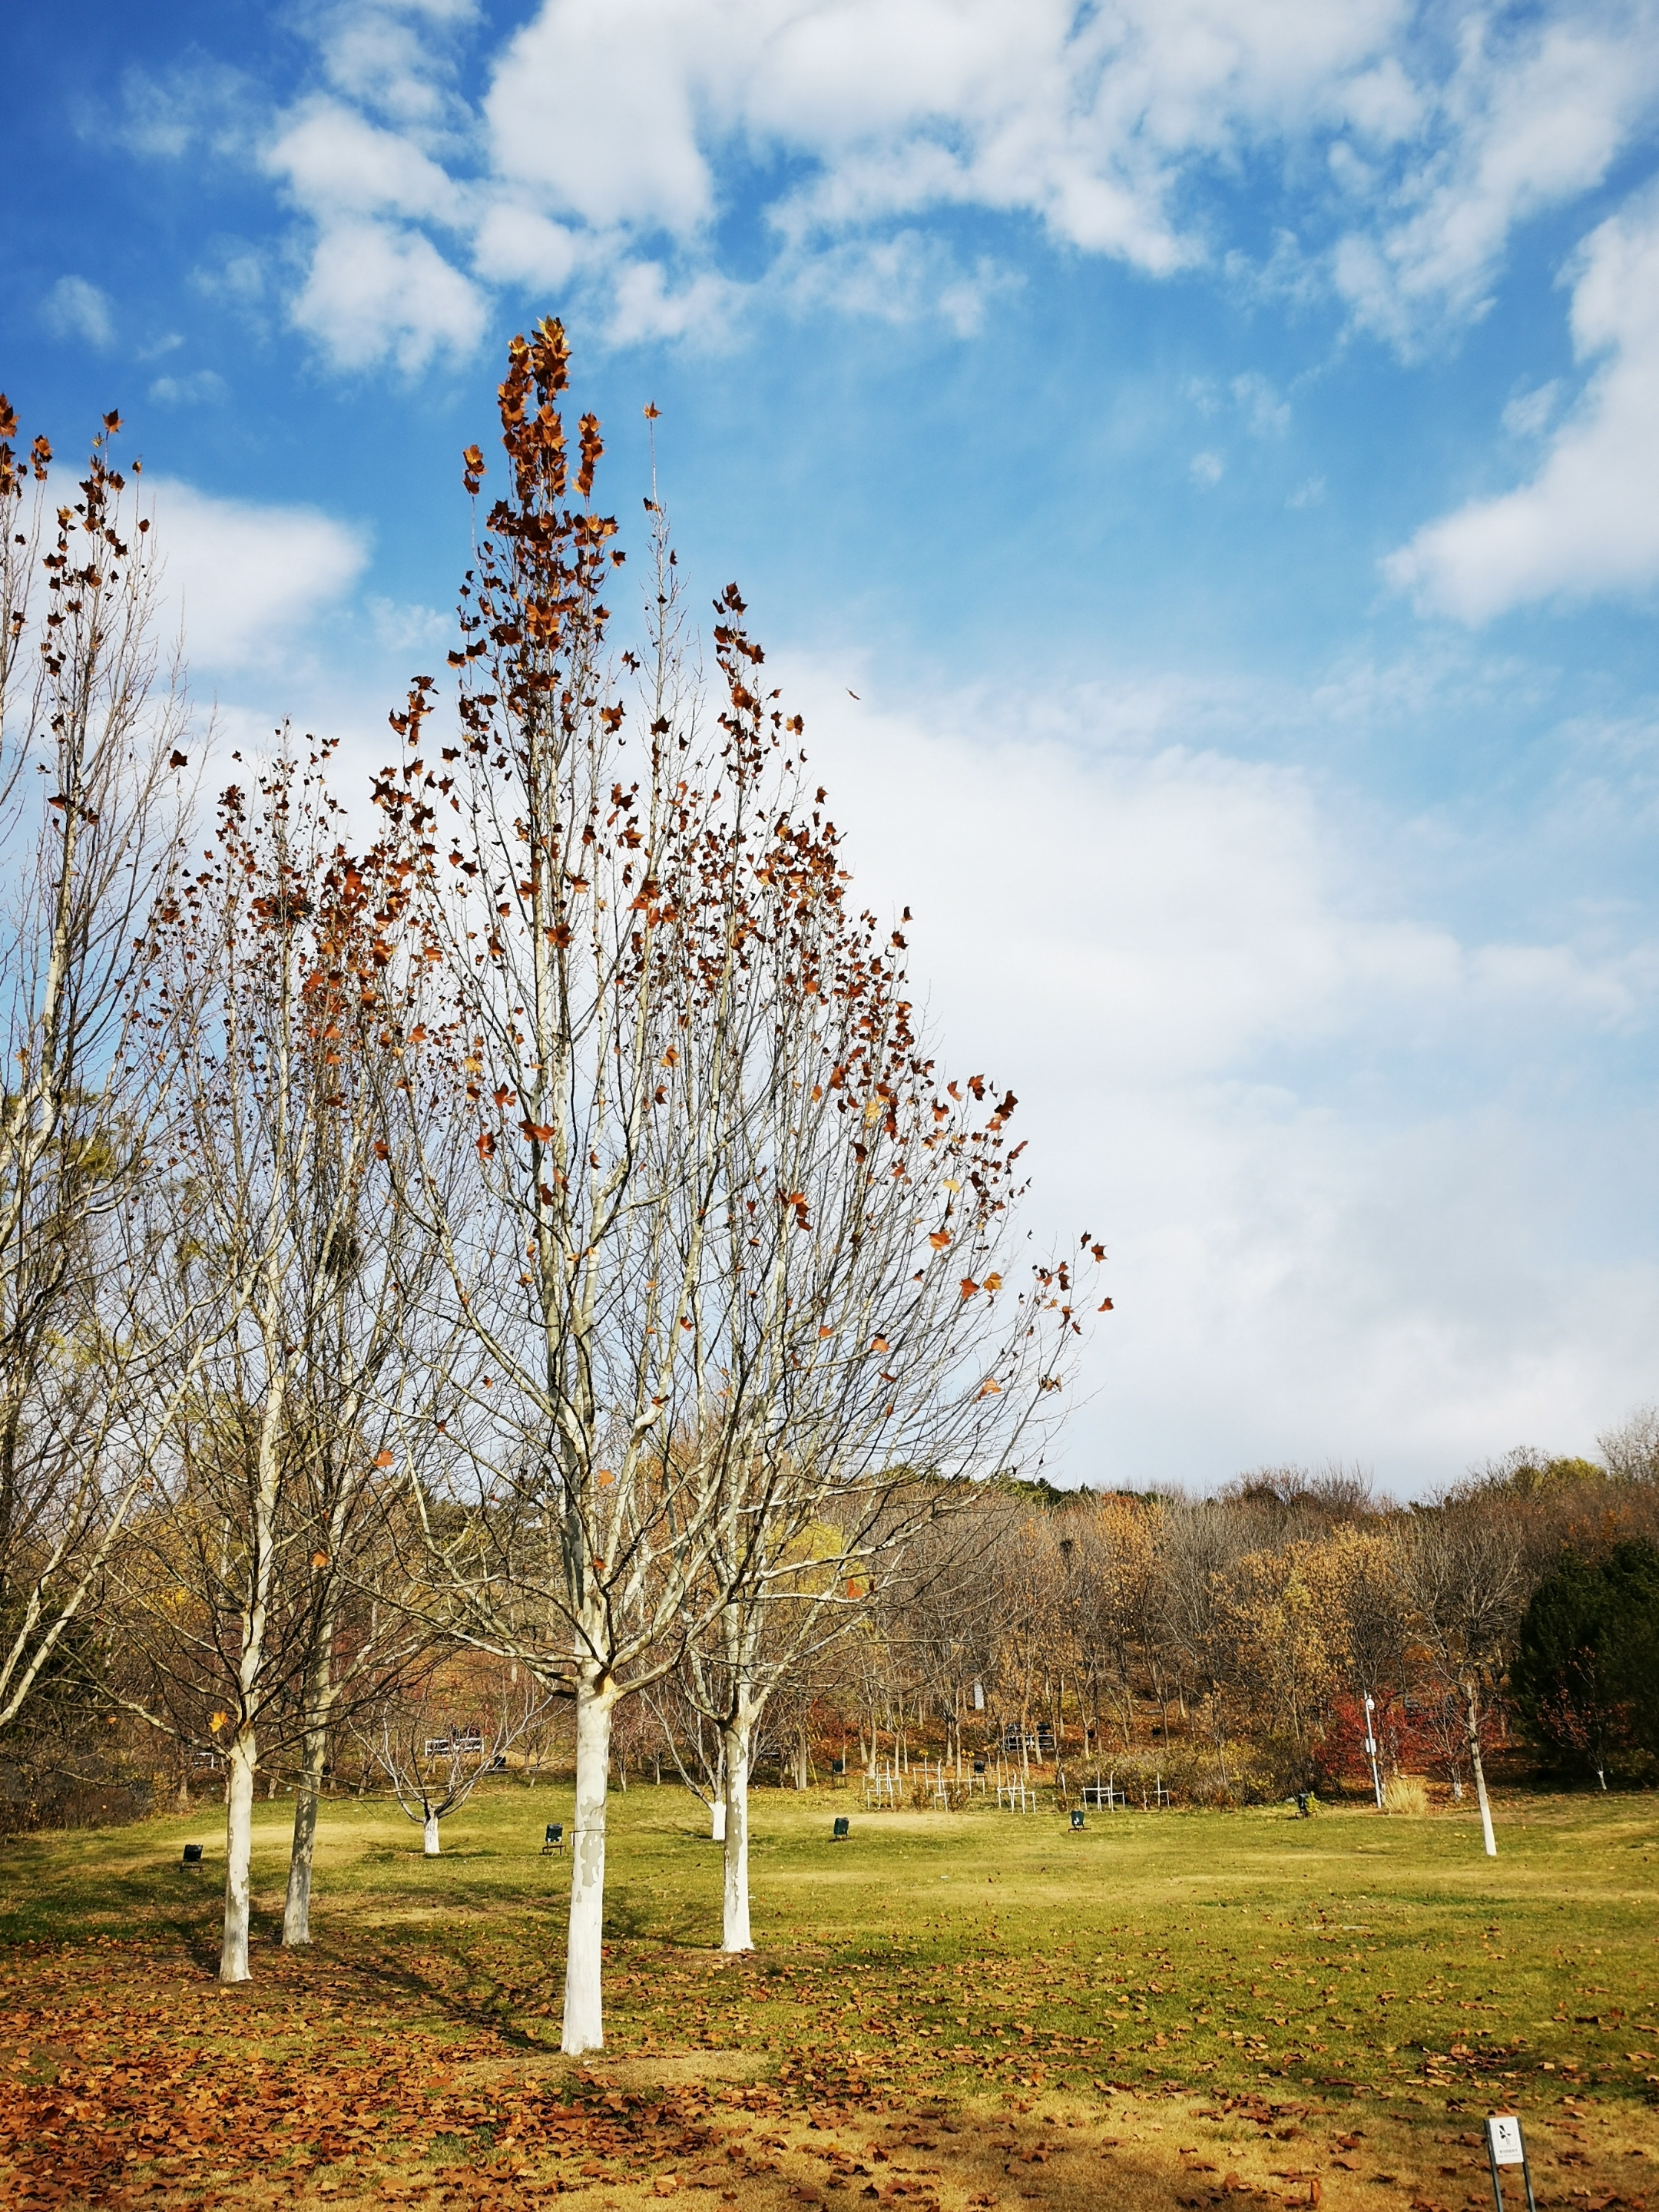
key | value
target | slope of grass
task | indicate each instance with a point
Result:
(993, 1970)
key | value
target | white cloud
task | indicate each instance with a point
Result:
(1100, 124)
(409, 629)
(1318, 1130)
(336, 165)
(236, 274)
(374, 52)
(606, 138)
(1527, 413)
(646, 308)
(204, 388)
(243, 578)
(375, 287)
(199, 102)
(76, 309)
(1589, 521)
(1081, 120)
(1525, 121)
(1266, 414)
(904, 278)
(516, 246)
(1207, 468)
(375, 292)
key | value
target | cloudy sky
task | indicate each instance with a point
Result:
(1218, 440)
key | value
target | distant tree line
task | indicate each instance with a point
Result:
(1229, 1645)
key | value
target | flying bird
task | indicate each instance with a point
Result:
(851, 693)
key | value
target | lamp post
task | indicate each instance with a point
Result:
(1371, 1747)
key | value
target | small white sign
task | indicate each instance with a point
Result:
(1503, 2138)
(1370, 1747)
(979, 1697)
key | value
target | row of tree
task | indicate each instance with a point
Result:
(518, 1216)
(495, 1279)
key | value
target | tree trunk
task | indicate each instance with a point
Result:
(1481, 1775)
(296, 1906)
(734, 1932)
(430, 1847)
(239, 1853)
(584, 2002)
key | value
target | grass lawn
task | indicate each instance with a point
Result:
(950, 2011)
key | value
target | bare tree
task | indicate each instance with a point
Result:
(91, 723)
(436, 1740)
(1631, 1450)
(1462, 1572)
(291, 1024)
(803, 1559)
(700, 1257)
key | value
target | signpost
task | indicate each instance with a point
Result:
(1505, 2146)
(1370, 1747)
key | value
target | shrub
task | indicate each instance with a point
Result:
(1405, 1793)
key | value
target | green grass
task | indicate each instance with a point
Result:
(1217, 1950)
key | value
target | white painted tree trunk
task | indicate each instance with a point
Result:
(429, 1832)
(584, 1999)
(239, 1854)
(717, 1821)
(1491, 1840)
(296, 1905)
(734, 1934)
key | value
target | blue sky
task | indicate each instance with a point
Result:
(1216, 439)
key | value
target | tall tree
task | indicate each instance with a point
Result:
(705, 1131)
(289, 1000)
(92, 723)
(1463, 1577)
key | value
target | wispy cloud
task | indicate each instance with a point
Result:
(77, 310)
(604, 144)
(1589, 520)
(243, 577)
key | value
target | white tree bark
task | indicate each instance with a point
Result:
(296, 1905)
(584, 2009)
(239, 1854)
(430, 1846)
(1489, 1838)
(735, 1936)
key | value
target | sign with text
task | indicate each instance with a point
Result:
(1506, 2145)
(1503, 2140)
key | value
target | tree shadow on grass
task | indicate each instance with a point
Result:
(472, 1994)
(48, 1902)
